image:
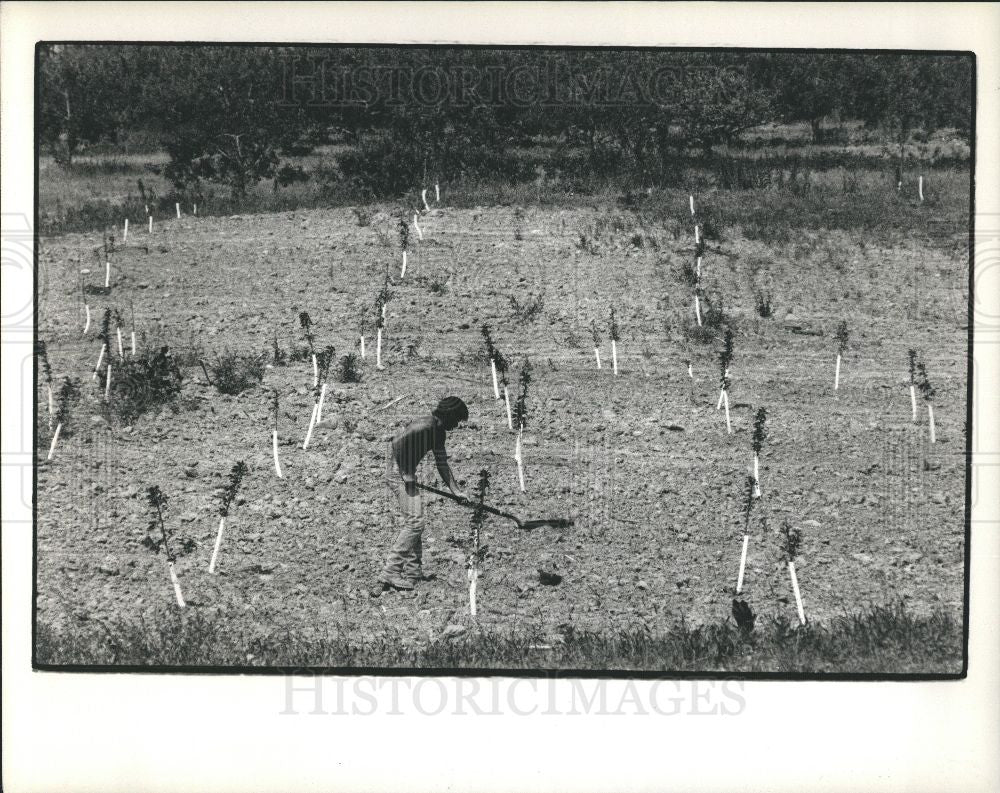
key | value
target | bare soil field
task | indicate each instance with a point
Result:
(641, 461)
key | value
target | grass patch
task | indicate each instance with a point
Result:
(881, 639)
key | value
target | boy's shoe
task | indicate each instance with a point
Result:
(395, 582)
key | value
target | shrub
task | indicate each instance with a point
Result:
(145, 381)
(349, 370)
(234, 373)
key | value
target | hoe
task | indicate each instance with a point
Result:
(526, 525)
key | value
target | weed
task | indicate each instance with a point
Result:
(528, 311)
(278, 356)
(762, 302)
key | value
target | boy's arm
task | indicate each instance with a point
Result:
(444, 470)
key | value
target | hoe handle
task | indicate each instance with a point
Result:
(466, 503)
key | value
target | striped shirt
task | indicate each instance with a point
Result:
(411, 444)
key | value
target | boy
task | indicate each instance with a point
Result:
(409, 446)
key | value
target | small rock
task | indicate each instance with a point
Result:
(864, 558)
(451, 631)
(642, 585)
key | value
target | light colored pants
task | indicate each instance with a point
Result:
(406, 554)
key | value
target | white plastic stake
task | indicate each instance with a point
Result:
(312, 423)
(473, 575)
(125, 232)
(150, 224)
(218, 544)
(423, 196)
(147, 208)
(416, 225)
(178, 208)
(836, 377)
(920, 187)
(362, 346)
(722, 395)
(86, 325)
(437, 194)
(756, 476)
(597, 355)
(697, 236)
(697, 310)
(133, 343)
(107, 383)
(614, 357)
(496, 388)
(274, 451)
(698, 267)
(378, 350)
(107, 273)
(319, 407)
(691, 200)
(743, 564)
(913, 401)
(518, 459)
(930, 421)
(100, 358)
(798, 596)
(177, 585)
(725, 402)
(506, 399)
(55, 437)
(121, 350)
(402, 272)
(690, 371)
(196, 209)
(315, 371)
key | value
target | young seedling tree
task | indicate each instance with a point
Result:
(791, 540)
(613, 328)
(404, 243)
(102, 337)
(228, 497)
(497, 362)
(927, 392)
(69, 394)
(912, 355)
(274, 434)
(381, 300)
(42, 353)
(725, 358)
(119, 323)
(323, 360)
(305, 322)
(842, 337)
(157, 501)
(363, 327)
(597, 342)
(477, 551)
(748, 504)
(521, 418)
(759, 436)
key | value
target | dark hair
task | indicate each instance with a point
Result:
(451, 411)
